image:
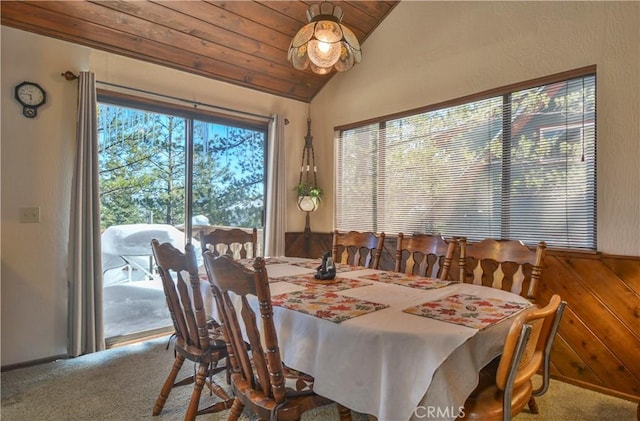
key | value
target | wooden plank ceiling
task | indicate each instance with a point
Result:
(240, 42)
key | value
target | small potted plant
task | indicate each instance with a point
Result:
(309, 196)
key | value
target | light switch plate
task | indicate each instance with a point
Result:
(30, 215)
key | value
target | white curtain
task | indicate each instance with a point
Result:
(276, 190)
(86, 332)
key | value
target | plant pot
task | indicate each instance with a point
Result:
(308, 203)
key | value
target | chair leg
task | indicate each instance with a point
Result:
(533, 405)
(218, 391)
(236, 410)
(192, 410)
(216, 407)
(168, 384)
(344, 412)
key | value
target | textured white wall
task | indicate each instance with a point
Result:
(37, 166)
(428, 52)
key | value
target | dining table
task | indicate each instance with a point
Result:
(390, 345)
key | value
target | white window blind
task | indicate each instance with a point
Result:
(519, 165)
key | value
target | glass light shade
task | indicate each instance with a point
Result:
(298, 57)
(327, 31)
(304, 35)
(346, 60)
(319, 70)
(308, 203)
(324, 43)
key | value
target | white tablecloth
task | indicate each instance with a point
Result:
(388, 363)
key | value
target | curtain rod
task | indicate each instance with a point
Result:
(69, 75)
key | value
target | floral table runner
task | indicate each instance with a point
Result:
(313, 264)
(411, 281)
(308, 281)
(468, 310)
(326, 305)
(267, 261)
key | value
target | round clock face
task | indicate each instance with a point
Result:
(30, 94)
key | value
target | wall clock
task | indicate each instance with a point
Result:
(31, 96)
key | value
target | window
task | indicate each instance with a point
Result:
(515, 164)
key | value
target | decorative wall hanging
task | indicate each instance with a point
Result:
(309, 195)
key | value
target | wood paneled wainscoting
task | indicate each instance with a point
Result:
(598, 343)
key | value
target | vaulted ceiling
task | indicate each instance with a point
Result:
(240, 42)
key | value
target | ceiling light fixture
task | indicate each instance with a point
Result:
(324, 43)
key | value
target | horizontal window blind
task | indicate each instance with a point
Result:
(357, 179)
(520, 165)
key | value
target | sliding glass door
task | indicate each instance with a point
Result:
(159, 168)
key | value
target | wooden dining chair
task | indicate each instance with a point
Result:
(505, 386)
(425, 255)
(259, 380)
(236, 242)
(357, 248)
(505, 264)
(546, 362)
(197, 340)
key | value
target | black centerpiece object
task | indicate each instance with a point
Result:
(326, 270)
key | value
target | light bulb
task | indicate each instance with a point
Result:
(323, 54)
(324, 47)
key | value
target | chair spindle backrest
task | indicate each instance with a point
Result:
(184, 297)
(425, 255)
(504, 264)
(232, 285)
(237, 242)
(357, 248)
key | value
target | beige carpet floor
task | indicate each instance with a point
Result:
(123, 383)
